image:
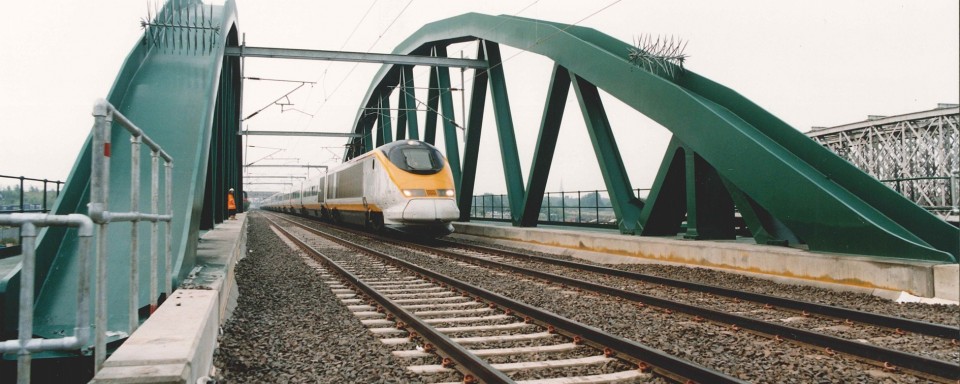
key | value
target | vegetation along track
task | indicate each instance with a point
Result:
(541, 346)
(908, 348)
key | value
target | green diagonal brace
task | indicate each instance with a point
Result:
(446, 115)
(409, 107)
(384, 134)
(433, 101)
(546, 145)
(401, 113)
(625, 205)
(508, 140)
(471, 143)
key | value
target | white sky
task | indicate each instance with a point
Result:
(812, 63)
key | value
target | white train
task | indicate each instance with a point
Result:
(406, 185)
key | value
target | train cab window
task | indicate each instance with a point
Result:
(416, 158)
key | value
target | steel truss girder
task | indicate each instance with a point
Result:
(822, 199)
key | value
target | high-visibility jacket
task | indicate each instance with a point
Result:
(231, 204)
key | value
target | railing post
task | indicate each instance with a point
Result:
(168, 192)
(28, 235)
(563, 207)
(548, 207)
(22, 192)
(955, 191)
(134, 319)
(154, 226)
(99, 190)
(45, 196)
(596, 203)
(579, 207)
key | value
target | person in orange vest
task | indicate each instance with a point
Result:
(231, 205)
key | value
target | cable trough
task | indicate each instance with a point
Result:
(484, 336)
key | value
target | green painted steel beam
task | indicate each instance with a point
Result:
(433, 102)
(471, 141)
(410, 104)
(450, 139)
(402, 114)
(384, 132)
(508, 141)
(625, 205)
(367, 129)
(828, 203)
(546, 145)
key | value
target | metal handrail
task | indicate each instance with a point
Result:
(25, 345)
(501, 212)
(44, 208)
(104, 115)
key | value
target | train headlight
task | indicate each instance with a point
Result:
(446, 192)
(414, 192)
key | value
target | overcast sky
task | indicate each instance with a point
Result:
(812, 63)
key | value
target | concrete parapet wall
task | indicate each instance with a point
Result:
(176, 344)
(857, 273)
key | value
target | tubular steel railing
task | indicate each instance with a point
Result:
(104, 115)
(25, 345)
(576, 208)
(23, 207)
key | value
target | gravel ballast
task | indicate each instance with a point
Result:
(289, 327)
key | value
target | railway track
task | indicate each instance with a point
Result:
(888, 359)
(423, 315)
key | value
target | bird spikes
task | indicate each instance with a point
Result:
(662, 55)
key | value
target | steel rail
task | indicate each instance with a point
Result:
(920, 364)
(920, 327)
(623, 347)
(470, 363)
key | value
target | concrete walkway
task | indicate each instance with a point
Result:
(176, 344)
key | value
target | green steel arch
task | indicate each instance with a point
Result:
(726, 152)
(178, 87)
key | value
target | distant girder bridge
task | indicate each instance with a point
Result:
(917, 154)
(727, 154)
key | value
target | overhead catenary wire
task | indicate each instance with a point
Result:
(347, 76)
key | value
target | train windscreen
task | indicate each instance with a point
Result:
(419, 159)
